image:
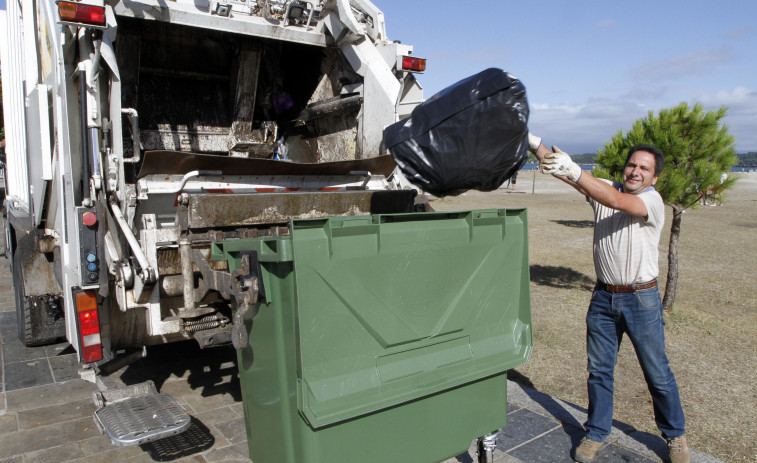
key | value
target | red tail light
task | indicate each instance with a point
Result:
(90, 343)
(79, 13)
(410, 63)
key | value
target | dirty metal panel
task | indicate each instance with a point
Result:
(209, 210)
(184, 140)
(169, 261)
(177, 162)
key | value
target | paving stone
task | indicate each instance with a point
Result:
(33, 418)
(218, 415)
(505, 458)
(59, 454)
(61, 349)
(31, 440)
(204, 400)
(64, 368)
(117, 454)
(612, 452)
(512, 407)
(101, 444)
(238, 407)
(237, 453)
(553, 447)
(192, 459)
(233, 430)
(8, 423)
(523, 425)
(14, 351)
(21, 375)
(50, 394)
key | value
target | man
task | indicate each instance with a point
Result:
(628, 218)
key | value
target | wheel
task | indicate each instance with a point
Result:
(481, 452)
(40, 319)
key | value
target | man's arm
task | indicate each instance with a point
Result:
(557, 162)
(605, 194)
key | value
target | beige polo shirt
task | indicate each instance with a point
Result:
(625, 246)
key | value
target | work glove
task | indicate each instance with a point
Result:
(559, 163)
(533, 142)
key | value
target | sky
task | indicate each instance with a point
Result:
(592, 68)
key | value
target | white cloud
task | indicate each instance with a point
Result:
(740, 32)
(583, 128)
(741, 118)
(605, 24)
(696, 62)
(586, 127)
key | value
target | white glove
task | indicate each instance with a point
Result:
(559, 163)
(533, 142)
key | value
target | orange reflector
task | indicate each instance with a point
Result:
(90, 345)
(85, 300)
(80, 13)
(410, 63)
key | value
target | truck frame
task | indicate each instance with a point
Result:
(139, 132)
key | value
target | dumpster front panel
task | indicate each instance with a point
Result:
(393, 308)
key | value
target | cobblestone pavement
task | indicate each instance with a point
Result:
(46, 409)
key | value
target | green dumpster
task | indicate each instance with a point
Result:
(383, 338)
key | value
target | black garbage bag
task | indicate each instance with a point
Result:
(471, 135)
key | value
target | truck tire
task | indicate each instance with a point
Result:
(36, 325)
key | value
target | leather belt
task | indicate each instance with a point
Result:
(626, 288)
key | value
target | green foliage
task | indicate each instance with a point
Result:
(698, 150)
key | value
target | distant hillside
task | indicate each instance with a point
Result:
(747, 159)
(589, 158)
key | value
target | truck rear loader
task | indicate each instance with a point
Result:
(146, 137)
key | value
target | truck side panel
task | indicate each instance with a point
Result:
(11, 47)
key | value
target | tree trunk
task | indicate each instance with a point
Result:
(533, 183)
(670, 285)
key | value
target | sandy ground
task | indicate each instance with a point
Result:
(711, 333)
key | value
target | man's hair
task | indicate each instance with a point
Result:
(659, 158)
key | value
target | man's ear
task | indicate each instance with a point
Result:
(654, 180)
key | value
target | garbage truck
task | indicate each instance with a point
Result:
(162, 159)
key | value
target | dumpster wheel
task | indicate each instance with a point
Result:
(485, 448)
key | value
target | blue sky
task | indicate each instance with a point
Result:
(592, 68)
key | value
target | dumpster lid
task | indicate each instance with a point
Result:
(392, 308)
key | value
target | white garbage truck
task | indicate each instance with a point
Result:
(141, 131)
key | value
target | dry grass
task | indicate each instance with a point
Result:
(711, 332)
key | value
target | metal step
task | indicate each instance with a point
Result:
(138, 414)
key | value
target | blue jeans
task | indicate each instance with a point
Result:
(639, 315)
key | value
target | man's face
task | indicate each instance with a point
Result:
(638, 174)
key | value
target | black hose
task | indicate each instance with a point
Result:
(84, 136)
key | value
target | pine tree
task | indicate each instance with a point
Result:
(698, 150)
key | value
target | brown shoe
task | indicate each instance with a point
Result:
(586, 450)
(678, 451)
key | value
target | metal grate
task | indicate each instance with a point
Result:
(141, 419)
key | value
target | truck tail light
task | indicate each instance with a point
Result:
(79, 13)
(90, 343)
(410, 63)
